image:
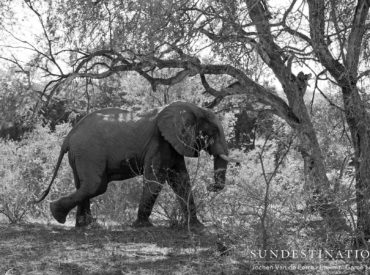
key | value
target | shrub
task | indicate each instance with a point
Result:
(119, 204)
(25, 170)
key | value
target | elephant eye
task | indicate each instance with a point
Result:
(207, 138)
(203, 135)
(211, 141)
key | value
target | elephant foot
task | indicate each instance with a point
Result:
(142, 223)
(58, 213)
(84, 220)
(214, 188)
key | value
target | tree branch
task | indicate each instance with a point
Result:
(317, 31)
(355, 37)
(188, 67)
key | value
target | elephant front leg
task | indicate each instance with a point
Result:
(83, 215)
(180, 182)
(151, 189)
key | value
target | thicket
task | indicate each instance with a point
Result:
(305, 177)
(264, 203)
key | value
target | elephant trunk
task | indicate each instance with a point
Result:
(220, 166)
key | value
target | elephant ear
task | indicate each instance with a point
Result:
(177, 124)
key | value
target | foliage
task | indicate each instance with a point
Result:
(119, 204)
(16, 101)
(239, 57)
(333, 132)
(26, 168)
(236, 211)
(253, 210)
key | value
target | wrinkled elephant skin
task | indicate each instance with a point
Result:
(104, 146)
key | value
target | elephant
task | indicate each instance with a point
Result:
(104, 146)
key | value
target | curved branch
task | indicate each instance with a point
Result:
(154, 82)
(208, 89)
(188, 67)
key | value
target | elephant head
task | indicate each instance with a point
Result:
(190, 129)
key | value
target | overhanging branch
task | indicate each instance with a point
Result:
(104, 63)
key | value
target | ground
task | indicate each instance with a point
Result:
(54, 249)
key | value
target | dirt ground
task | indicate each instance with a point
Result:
(53, 249)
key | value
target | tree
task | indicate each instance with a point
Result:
(208, 38)
(349, 35)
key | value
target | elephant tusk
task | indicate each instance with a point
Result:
(228, 159)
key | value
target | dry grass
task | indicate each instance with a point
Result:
(53, 249)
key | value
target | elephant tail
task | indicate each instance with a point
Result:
(63, 150)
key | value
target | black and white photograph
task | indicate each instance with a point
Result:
(185, 137)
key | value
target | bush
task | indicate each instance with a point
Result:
(25, 170)
(250, 210)
(119, 204)
(253, 210)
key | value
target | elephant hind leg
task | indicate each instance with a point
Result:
(90, 183)
(83, 214)
(64, 205)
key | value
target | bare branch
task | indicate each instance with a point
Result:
(177, 78)
(341, 39)
(46, 35)
(323, 94)
(364, 73)
(217, 94)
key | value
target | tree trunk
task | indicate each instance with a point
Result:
(358, 122)
(294, 87)
(316, 180)
(346, 76)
